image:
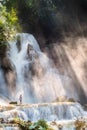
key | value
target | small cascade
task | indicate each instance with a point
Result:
(10, 128)
(60, 116)
(54, 111)
(48, 112)
(63, 125)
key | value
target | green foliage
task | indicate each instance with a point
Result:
(8, 23)
(40, 125)
(43, 124)
(10, 3)
(36, 7)
(22, 124)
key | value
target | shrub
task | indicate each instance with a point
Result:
(8, 23)
(28, 125)
(80, 124)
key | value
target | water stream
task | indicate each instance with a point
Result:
(34, 73)
(33, 76)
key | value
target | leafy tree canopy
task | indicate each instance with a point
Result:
(8, 22)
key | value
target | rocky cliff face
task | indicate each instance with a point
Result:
(8, 70)
(70, 59)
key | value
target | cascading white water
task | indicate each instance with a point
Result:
(35, 74)
(3, 90)
(38, 82)
(10, 128)
(64, 114)
(48, 112)
(34, 88)
(20, 62)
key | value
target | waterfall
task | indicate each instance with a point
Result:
(48, 112)
(34, 73)
(56, 114)
(31, 73)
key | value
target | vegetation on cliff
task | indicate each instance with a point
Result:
(53, 18)
(8, 24)
(43, 125)
(39, 125)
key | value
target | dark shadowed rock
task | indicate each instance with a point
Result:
(61, 99)
(9, 72)
(14, 102)
(71, 100)
(6, 64)
(18, 43)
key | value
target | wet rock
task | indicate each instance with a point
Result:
(3, 50)
(6, 64)
(2, 120)
(61, 99)
(37, 69)
(13, 102)
(18, 43)
(64, 99)
(85, 107)
(9, 73)
(10, 120)
(29, 51)
(71, 100)
(10, 78)
(60, 127)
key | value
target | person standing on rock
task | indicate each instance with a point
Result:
(20, 99)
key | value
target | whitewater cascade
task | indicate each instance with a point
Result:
(34, 75)
(56, 114)
(31, 73)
